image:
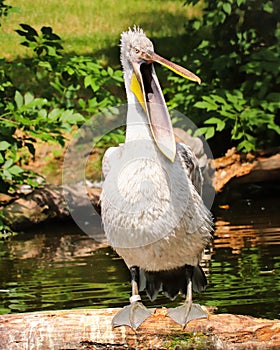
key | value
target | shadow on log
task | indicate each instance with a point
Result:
(91, 329)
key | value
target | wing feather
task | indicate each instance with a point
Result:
(191, 165)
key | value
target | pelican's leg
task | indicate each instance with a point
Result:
(188, 311)
(136, 313)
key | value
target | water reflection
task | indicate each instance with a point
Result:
(245, 265)
(56, 271)
(66, 269)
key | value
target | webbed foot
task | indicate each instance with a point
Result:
(132, 315)
(186, 312)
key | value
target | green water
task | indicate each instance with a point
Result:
(56, 266)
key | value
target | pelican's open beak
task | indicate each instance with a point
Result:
(145, 85)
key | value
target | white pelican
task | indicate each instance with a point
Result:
(151, 205)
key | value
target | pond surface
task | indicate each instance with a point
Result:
(57, 266)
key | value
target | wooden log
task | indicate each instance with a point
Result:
(91, 329)
(45, 203)
(264, 169)
(236, 168)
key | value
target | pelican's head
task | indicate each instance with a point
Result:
(137, 57)
(134, 44)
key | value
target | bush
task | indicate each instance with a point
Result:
(235, 48)
(43, 97)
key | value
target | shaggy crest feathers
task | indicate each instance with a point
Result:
(130, 34)
(133, 38)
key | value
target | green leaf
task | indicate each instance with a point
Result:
(4, 145)
(268, 7)
(45, 65)
(209, 106)
(7, 174)
(71, 118)
(196, 24)
(87, 81)
(246, 146)
(8, 163)
(201, 104)
(200, 131)
(18, 99)
(28, 98)
(15, 170)
(227, 114)
(118, 76)
(110, 71)
(237, 134)
(239, 2)
(218, 98)
(42, 113)
(70, 70)
(55, 114)
(92, 82)
(209, 133)
(220, 123)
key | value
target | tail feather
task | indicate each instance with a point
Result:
(172, 282)
(199, 281)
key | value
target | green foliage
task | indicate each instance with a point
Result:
(113, 138)
(43, 97)
(47, 43)
(6, 9)
(235, 48)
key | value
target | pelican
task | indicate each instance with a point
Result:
(151, 206)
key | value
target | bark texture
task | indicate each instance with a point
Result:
(91, 329)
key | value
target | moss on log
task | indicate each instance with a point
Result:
(91, 329)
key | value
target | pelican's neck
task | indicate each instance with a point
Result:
(137, 125)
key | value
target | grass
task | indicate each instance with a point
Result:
(93, 27)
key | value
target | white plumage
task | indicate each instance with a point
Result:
(153, 215)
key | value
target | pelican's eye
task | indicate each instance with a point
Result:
(136, 50)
